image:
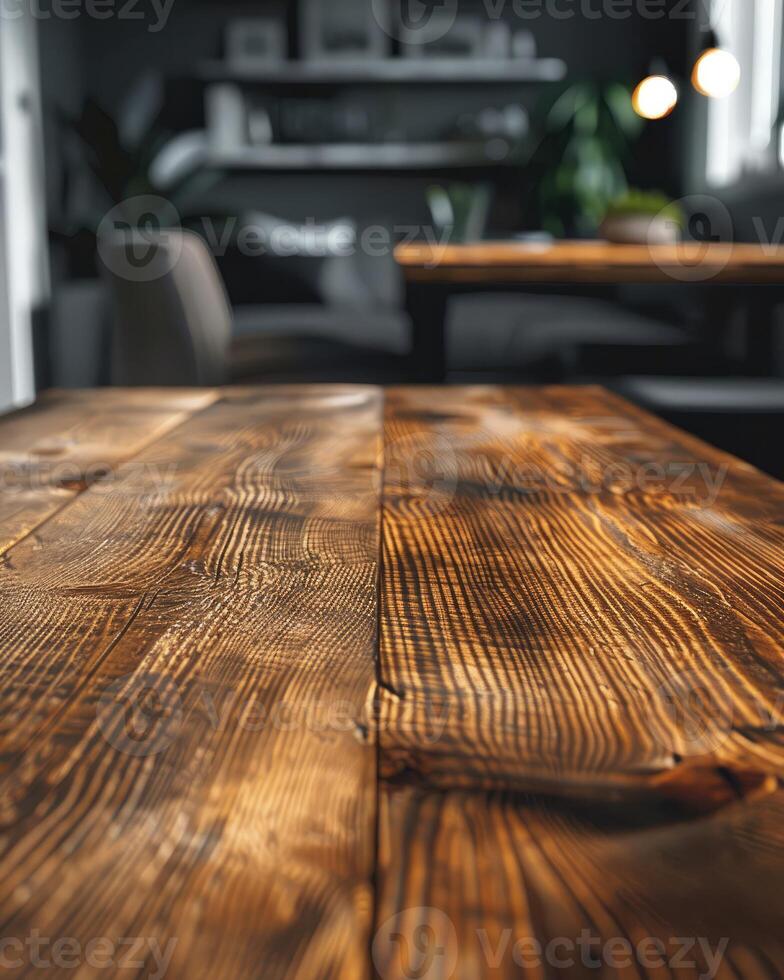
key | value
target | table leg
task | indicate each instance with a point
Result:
(761, 321)
(426, 304)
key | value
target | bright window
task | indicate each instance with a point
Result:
(23, 278)
(744, 133)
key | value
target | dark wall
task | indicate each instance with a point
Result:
(105, 59)
(609, 48)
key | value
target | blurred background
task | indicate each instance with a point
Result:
(201, 192)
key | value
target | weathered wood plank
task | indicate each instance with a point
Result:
(70, 439)
(575, 591)
(186, 675)
(476, 885)
(582, 628)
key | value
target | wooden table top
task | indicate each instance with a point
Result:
(334, 682)
(591, 261)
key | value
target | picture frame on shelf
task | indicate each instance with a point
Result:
(352, 31)
(445, 37)
(256, 42)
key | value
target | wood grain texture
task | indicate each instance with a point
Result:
(476, 885)
(574, 592)
(577, 704)
(70, 439)
(582, 628)
(186, 673)
(597, 261)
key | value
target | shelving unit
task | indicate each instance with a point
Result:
(468, 155)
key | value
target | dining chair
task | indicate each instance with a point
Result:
(174, 324)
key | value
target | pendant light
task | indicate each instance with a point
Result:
(656, 95)
(716, 72)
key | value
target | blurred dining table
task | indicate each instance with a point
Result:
(435, 272)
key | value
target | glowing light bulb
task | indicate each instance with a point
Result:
(655, 97)
(716, 73)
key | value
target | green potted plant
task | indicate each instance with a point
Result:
(586, 136)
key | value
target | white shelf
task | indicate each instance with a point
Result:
(392, 70)
(370, 156)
